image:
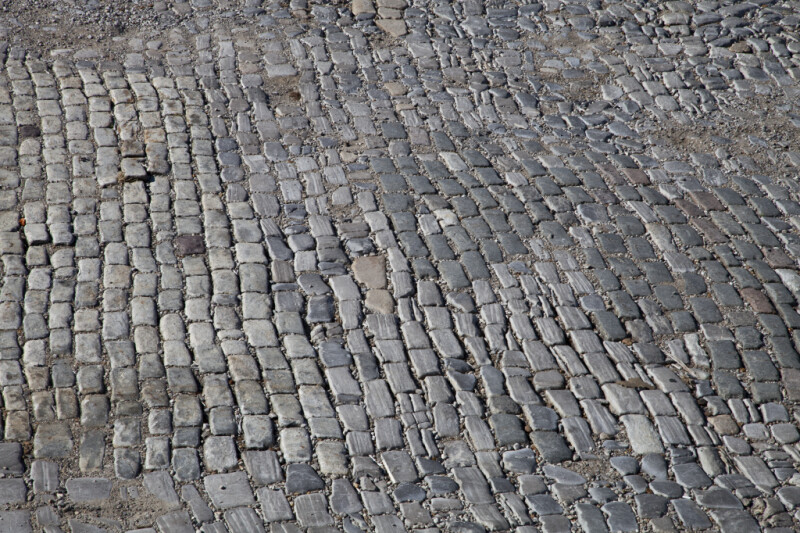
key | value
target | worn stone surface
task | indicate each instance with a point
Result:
(370, 271)
(390, 265)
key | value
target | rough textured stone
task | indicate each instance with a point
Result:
(380, 265)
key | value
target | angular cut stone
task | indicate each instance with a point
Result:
(190, 245)
(642, 435)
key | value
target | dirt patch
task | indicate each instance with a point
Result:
(592, 470)
(283, 90)
(746, 130)
(130, 506)
(53, 24)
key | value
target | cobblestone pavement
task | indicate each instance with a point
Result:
(439, 266)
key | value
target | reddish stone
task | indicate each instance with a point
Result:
(777, 258)
(190, 245)
(611, 174)
(757, 300)
(707, 201)
(636, 176)
(690, 209)
(710, 231)
(29, 130)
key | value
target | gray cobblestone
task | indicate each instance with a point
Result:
(345, 278)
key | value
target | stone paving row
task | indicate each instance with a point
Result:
(405, 266)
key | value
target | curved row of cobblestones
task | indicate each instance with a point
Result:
(405, 266)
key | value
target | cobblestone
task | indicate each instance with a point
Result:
(399, 266)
